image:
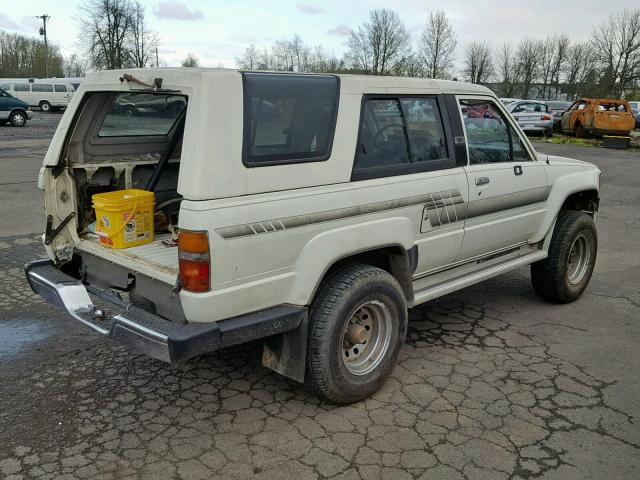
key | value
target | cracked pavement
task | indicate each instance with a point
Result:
(492, 383)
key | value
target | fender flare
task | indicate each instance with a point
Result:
(562, 188)
(329, 247)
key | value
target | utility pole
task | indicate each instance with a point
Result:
(157, 65)
(43, 32)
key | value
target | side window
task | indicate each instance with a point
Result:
(288, 118)
(21, 87)
(383, 139)
(5, 86)
(400, 136)
(42, 87)
(490, 137)
(424, 127)
(57, 87)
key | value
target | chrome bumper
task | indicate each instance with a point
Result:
(148, 333)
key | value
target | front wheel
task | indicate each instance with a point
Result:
(18, 119)
(565, 273)
(45, 106)
(357, 325)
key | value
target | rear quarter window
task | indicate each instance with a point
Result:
(288, 118)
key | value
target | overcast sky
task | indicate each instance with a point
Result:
(217, 31)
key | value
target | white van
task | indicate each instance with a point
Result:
(46, 95)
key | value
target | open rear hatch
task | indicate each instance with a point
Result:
(118, 141)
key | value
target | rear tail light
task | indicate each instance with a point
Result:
(546, 117)
(194, 260)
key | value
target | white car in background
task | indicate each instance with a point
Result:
(47, 95)
(532, 116)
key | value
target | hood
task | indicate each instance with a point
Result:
(555, 160)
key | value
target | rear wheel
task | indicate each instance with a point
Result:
(579, 131)
(565, 273)
(45, 106)
(357, 325)
(18, 119)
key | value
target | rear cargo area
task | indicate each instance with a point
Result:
(123, 141)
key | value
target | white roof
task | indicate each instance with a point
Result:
(350, 83)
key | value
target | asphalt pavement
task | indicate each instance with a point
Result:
(492, 383)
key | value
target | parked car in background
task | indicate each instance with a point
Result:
(13, 110)
(507, 101)
(635, 105)
(604, 116)
(636, 113)
(556, 108)
(45, 95)
(532, 116)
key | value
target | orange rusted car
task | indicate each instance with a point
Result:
(602, 116)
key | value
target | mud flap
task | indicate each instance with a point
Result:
(286, 353)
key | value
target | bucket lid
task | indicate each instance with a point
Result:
(121, 197)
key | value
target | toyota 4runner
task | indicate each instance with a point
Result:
(305, 211)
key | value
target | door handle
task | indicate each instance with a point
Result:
(517, 170)
(482, 181)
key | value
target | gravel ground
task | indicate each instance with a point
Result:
(492, 383)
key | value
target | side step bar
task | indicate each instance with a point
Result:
(150, 334)
(458, 283)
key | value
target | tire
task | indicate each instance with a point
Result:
(18, 119)
(565, 273)
(45, 106)
(579, 131)
(354, 303)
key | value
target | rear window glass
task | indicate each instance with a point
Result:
(21, 87)
(141, 114)
(42, 87)
(288, 118)
(60, 88)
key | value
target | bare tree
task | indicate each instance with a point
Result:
(528, 60)
(74, 66)
(616, 43)
(191, 61)
(552, 55)
(104, 30)
(562, 45)
(299, 54)
(507, 69)
(380, 45)
(250, 60)
(438, 45)
(478, 63)
(142, 41)
(578, 68)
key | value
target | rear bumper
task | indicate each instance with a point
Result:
(609, 131)
(148, 333)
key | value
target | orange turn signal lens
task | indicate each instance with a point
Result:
(193, 241)
(194, 261)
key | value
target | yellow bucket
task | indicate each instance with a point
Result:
(124, 218)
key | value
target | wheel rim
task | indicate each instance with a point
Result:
(578, 259)
(366, 337)
(18, 119)
(45, 107)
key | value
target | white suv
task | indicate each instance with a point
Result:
(312, 211)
